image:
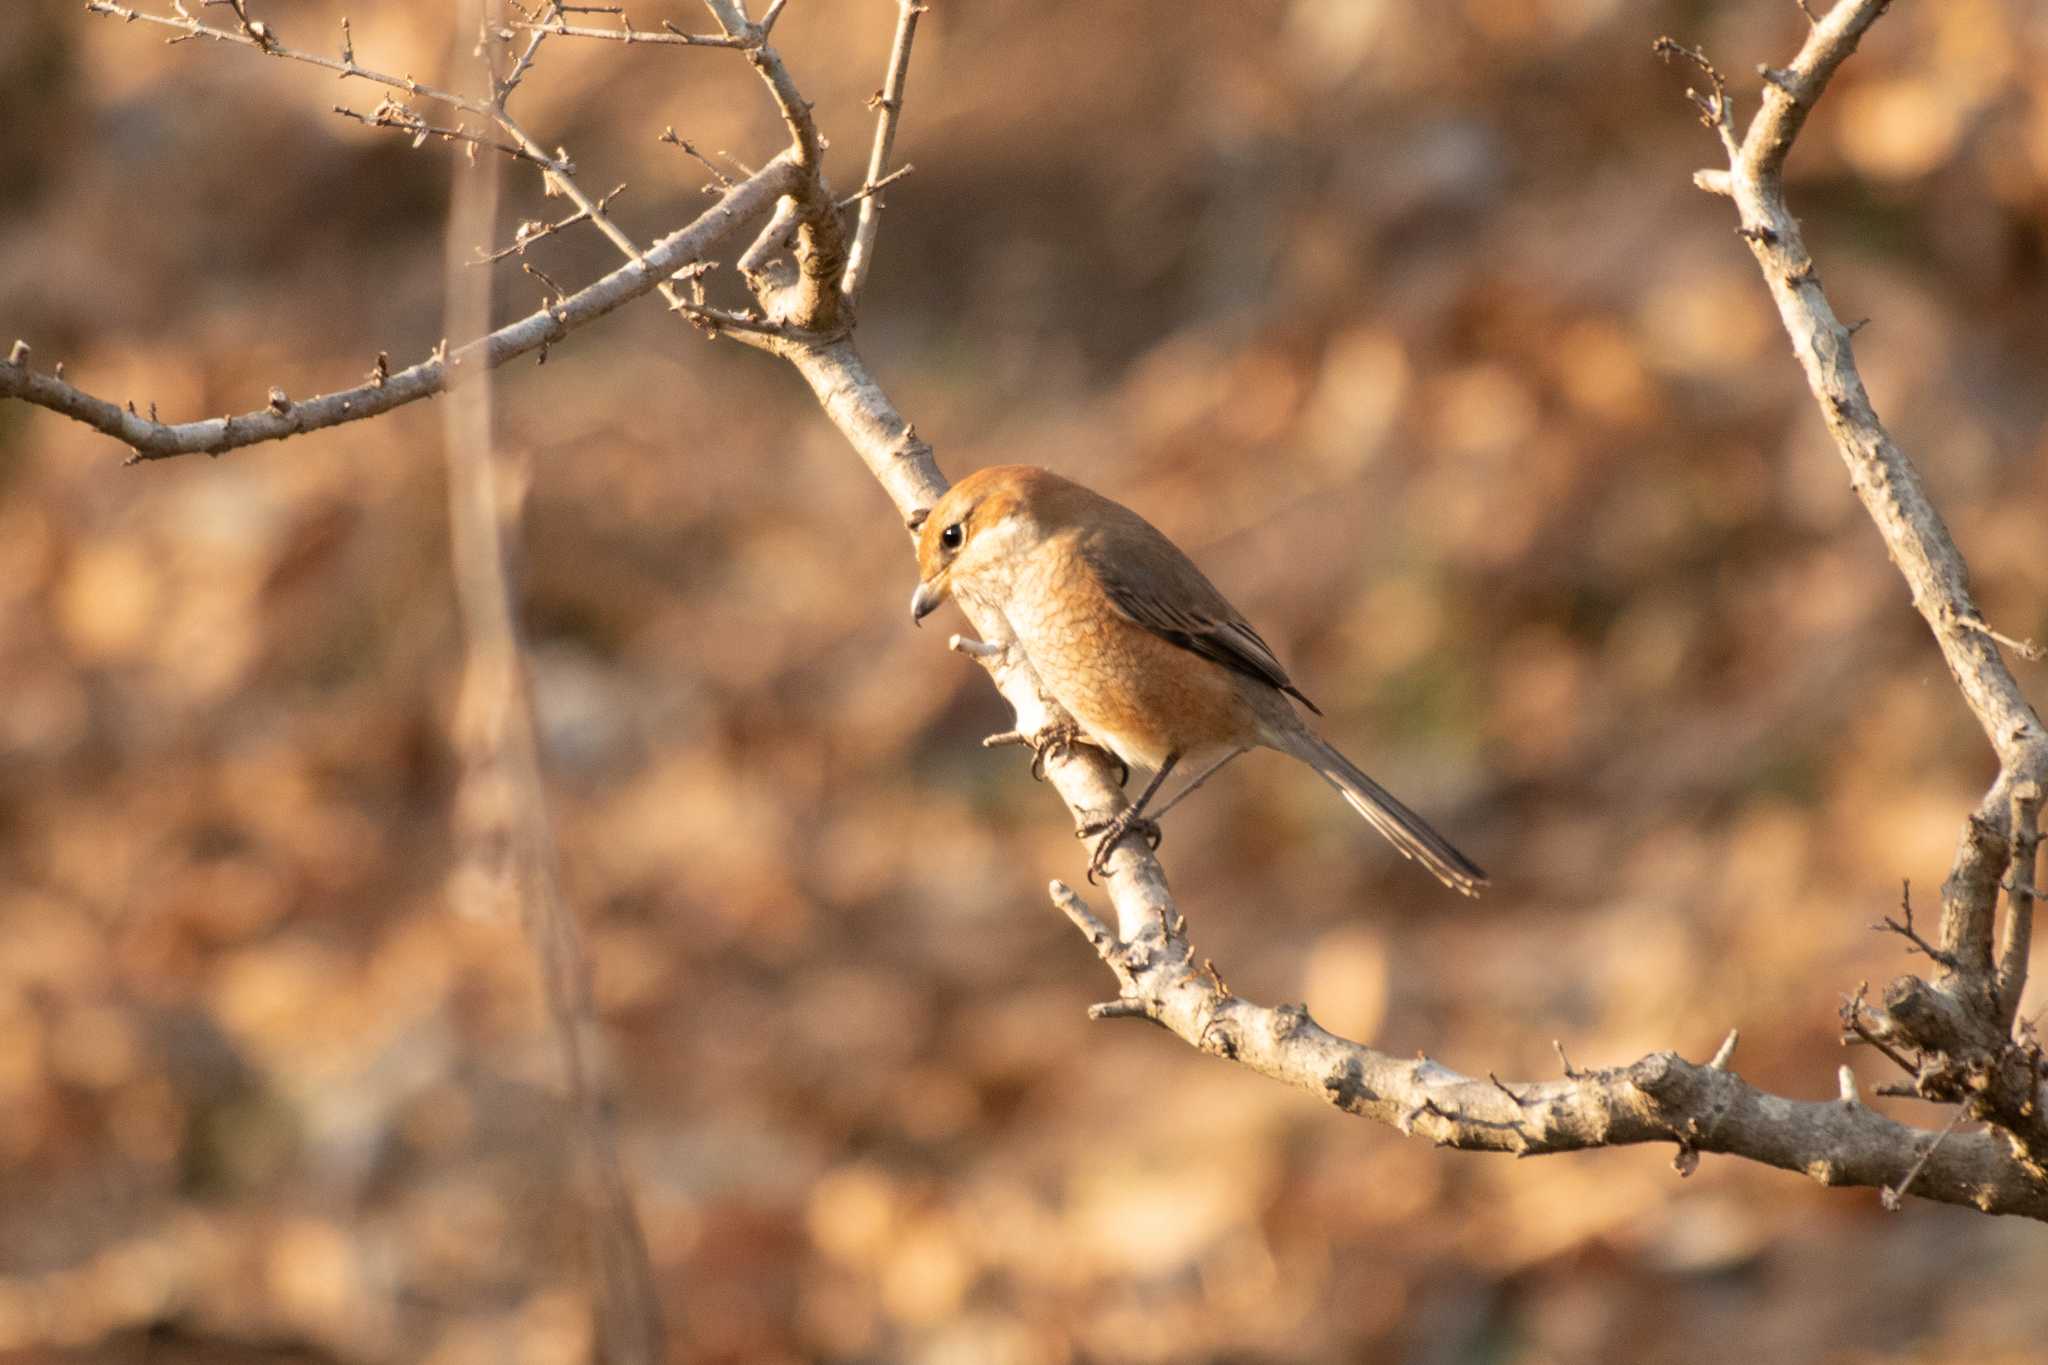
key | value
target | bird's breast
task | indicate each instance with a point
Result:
(1135, 691)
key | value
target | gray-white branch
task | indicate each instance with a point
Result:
(387, 389)
(1961, 1024)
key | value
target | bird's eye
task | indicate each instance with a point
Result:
(952, 536)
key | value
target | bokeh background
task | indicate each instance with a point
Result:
(1404, 318)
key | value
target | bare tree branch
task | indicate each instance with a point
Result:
(1661, 1098)
(1960, 1023)
(153, 440)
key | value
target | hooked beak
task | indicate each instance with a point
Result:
(923, 603)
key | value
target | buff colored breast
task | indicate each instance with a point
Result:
(1141, 695)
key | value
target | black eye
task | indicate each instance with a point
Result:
(952, 536)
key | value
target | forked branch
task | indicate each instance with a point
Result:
(1961, 1025)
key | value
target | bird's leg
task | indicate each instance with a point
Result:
(1053, 741)
(1130, 818)
(1189, 790)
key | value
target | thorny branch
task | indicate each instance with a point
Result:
(1960, 1050)
(386, 389)
(1961, 1025)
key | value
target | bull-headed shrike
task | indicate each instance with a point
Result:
(1143, 652)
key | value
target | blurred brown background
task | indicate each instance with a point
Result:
(1404, 318)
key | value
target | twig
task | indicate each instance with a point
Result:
(392, 114)
(1895, 1199)
(502, 88)
(888, 103)
(668, 135)
(669, 36)
(2026, 649)
(877, 187)
(1852, 1013)
(533, 229)
(1908, 932)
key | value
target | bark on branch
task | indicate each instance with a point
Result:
(149, 439)
(1961, 1024)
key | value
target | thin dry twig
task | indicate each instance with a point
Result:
(534, 229)
(669, 36)
(1895, 1199)
(1906, 931)
(718, 176)
(392, 114)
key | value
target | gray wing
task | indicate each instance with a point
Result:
(1194, 616)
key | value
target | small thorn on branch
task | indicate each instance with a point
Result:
(17, 354)
(1845, 1082)
(1725, 1053)
(1502, 1086)
(1571, 1073)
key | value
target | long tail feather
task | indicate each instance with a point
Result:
(1403, 828)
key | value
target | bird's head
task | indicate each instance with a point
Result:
(969, 534)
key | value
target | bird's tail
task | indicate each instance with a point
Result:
(1403, 828)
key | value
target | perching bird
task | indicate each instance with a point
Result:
(1142, 650)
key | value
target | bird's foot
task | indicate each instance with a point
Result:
(1108, 833)
(1054, 741)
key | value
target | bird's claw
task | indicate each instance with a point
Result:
(1055, 740)
(1108, 833)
